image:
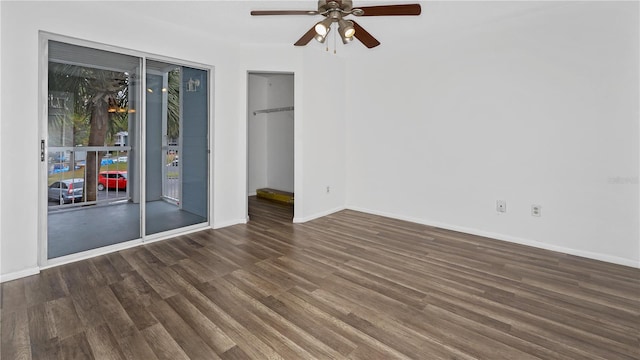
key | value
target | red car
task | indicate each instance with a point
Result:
(112, 180)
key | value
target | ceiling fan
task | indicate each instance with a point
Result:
(334, 11)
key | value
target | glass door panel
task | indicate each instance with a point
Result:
(176, 147)
(92, 111)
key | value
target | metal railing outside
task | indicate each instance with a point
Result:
(171, 175)
(67, 166)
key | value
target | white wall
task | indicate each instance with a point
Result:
(324, 135)
(280, 133)
(536, 109)
(1, 152)
(257, 133)
(1, 138)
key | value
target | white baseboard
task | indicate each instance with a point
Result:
(179, 232)
(223, 224)
(19, 274)
(503, 237)
(68, 259)
(298, 220)
(100, 251)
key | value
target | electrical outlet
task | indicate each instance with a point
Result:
(501, 206)
(328, 189)
(536, 210)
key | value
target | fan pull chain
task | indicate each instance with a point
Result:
(327, 46)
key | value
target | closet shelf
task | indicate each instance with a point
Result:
(287, 108)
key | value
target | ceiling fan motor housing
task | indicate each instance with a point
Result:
(344, 5)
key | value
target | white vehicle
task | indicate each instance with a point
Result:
(65, 191)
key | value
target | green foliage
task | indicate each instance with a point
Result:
(85, 88)
(173, 104)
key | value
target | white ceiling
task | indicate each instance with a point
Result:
(231, 20)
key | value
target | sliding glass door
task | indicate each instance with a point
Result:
(104, 154)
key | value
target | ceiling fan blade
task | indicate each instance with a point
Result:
(363, 35)
(283, 12)
(304, 40)
(389, 10)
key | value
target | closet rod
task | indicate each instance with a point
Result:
(288, 108)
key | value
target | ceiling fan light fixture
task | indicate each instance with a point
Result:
(346, 30)
(350, 32)
(322, 38)
(323, 27)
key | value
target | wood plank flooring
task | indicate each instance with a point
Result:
(346, 286)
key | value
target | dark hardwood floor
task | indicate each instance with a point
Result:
(349, 285)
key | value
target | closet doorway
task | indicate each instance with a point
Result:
(270, 144)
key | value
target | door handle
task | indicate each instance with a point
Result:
(42, 150)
